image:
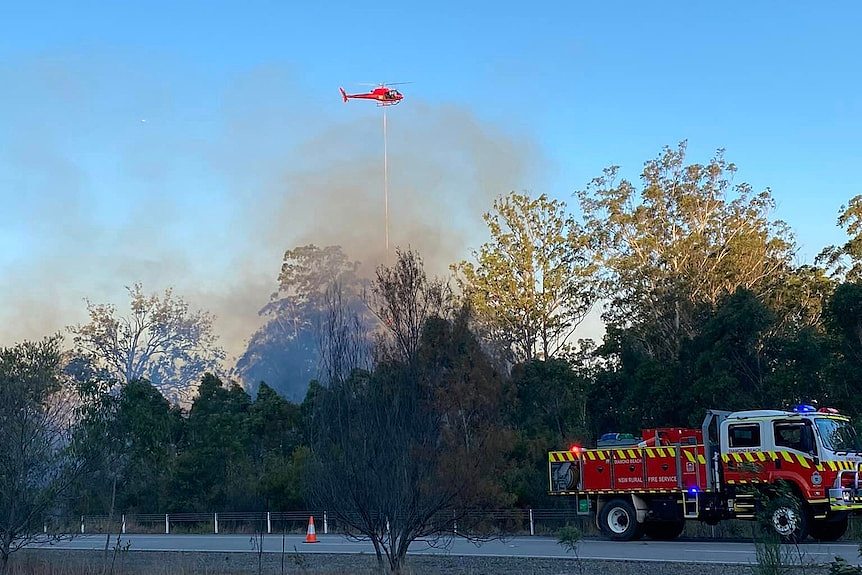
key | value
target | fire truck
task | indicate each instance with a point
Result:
(798, 471)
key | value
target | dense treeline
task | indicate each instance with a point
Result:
(228, 452)
(400, 392)
(235, 452)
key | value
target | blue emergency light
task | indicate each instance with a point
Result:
(804, 408)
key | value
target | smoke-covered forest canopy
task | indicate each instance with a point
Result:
(697, 284)
(457, 384)
(655, 258)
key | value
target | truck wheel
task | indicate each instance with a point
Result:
(829, 530)
(618, 521)
(663, 530)
(787, 518)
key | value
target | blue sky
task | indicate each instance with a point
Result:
(189, 144)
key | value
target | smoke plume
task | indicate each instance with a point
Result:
(111, 176)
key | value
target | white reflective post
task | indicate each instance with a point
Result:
(167, 525)
(82, 524)
(124, 524)
(268, 522)
(215, 522)
(532, 529)
(325, 524)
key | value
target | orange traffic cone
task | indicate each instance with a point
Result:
(311, 535)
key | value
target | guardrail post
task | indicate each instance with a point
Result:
(325, 524)
(454, 523)
(44, 528)
(532, 528)
(215, 522)
(268, 522)
(123, 527)
(82, 524)
(167, 525)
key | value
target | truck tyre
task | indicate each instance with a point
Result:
(618, 521)
(663, 530)
(829, 530)
(787, 518)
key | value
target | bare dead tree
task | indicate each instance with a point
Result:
(402, 297)
(343, 337)
(407, 449)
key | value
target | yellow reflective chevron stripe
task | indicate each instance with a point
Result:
(761, 456)
(786, 457)
(661, 452)
(737, 457)
(802, 461)
(749, 456)
(591, 455)
(689, 456)
(832, 466)
(620, 454)
(602, 455)
(560, 456)
(671, 451)
(701, 459)
(632, 454)
(725, 457)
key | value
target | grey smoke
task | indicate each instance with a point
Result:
(208, 193)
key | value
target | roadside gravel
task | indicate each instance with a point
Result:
(185, 563)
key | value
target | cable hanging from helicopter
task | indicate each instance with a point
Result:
(384, 95)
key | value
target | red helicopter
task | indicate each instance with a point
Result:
(382, 94)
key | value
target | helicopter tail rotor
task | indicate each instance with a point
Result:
(343, 94)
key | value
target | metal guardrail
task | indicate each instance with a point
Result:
(511, 521)
(495, 523)
(270, 521)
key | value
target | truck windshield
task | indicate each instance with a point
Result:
(838, 435)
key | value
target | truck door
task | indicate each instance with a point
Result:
(743, 460)
(795, 450)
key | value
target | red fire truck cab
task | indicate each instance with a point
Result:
(797, 470)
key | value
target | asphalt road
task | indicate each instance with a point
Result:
(683, 551)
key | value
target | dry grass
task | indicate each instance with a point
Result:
(57, 562)
(142, 563)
